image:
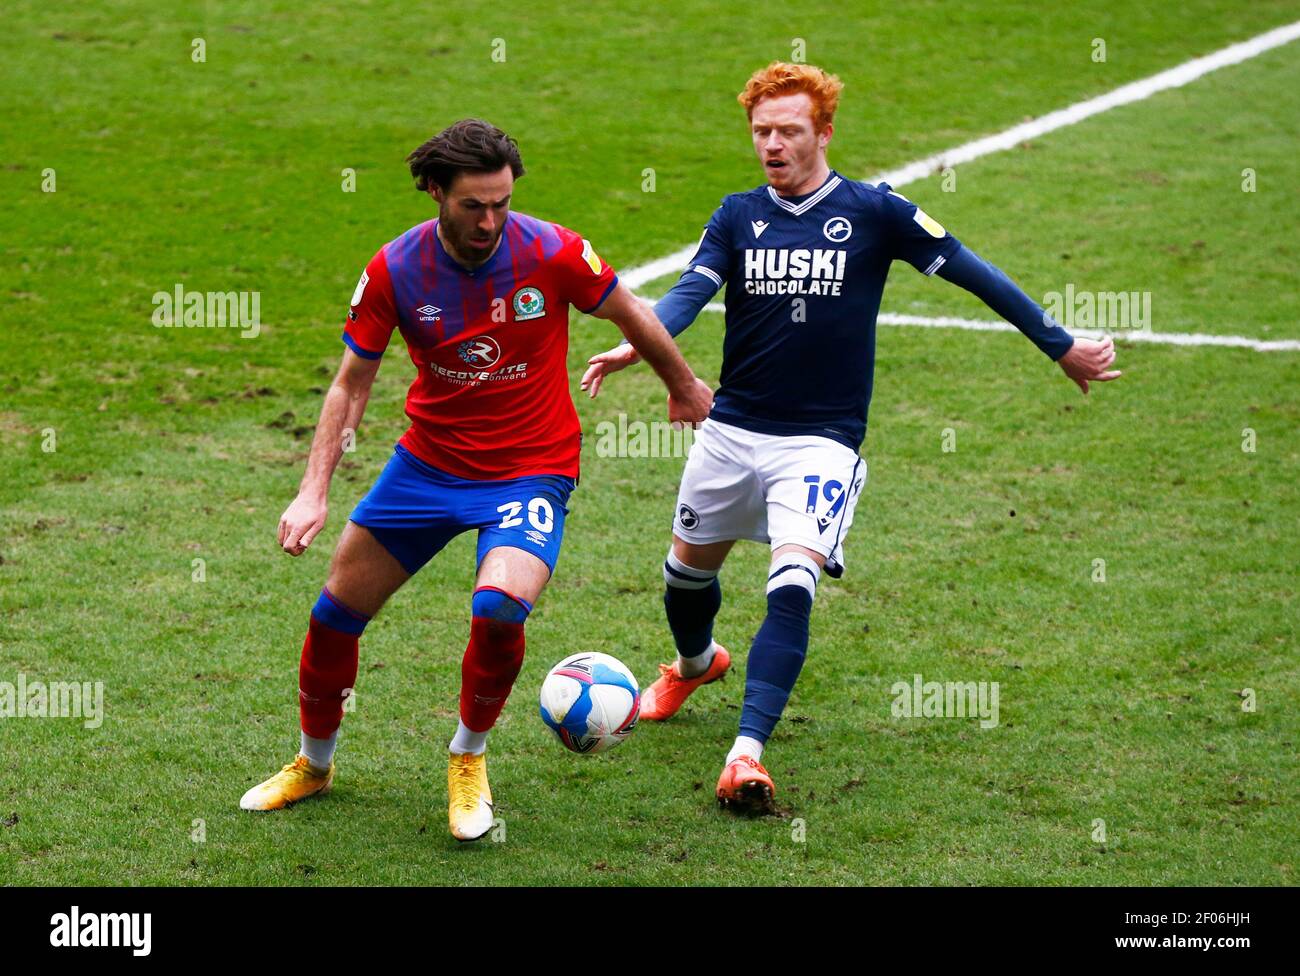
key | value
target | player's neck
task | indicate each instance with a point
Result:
(818, 176)
(469, 264)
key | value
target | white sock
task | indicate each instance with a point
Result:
(320, 752)
(693, 667)
(468, 741)
(745, 746)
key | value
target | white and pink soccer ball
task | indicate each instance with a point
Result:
(591, 702)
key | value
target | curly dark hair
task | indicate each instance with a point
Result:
(470, 145)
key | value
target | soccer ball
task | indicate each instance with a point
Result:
(591, 702)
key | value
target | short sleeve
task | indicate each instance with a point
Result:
(372, 315)
(713, 254)
(919, 239)
(584, 279)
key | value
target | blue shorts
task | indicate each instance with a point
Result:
(414, 510)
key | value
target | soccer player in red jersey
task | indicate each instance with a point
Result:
(481, 297)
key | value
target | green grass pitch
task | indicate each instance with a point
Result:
(1120, 701)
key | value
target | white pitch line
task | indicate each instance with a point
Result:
(1122, 335)
(1136, 91)
(1119, 335)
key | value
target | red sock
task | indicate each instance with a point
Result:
(488, 671)
(326, 676)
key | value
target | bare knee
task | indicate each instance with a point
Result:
(786, 550)
(708, 556)
(363, 574)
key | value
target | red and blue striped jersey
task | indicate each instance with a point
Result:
(491, 396)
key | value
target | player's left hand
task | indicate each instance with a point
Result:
(598, 366)
(1089, 360)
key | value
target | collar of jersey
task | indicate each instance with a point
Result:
(811, 200)
(482, 268)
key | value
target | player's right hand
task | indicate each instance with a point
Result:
(598, 366)
(1088, 360)
(692, 405)
(300, 523)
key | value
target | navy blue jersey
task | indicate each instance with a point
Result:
(804, 276)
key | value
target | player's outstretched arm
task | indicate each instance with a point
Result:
(1083, 360)
(345, 404)
(689, 397)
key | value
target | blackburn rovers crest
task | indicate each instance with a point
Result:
(529, 304)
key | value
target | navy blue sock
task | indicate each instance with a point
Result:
(692, 598)
(775, 659)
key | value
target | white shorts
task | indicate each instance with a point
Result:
(777, 489)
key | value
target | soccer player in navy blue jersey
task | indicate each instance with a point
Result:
(803, 259)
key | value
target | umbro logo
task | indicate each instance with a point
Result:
(428, 313)
(759, 226)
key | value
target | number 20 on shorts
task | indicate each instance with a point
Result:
(540, 514)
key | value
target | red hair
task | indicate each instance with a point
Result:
(780, 78)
